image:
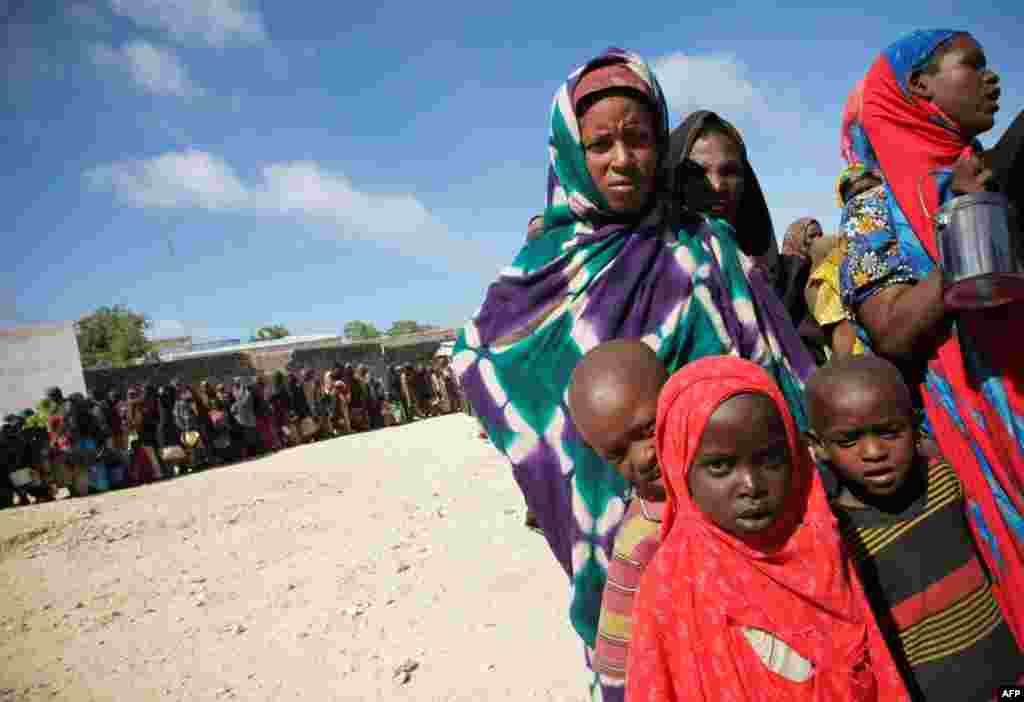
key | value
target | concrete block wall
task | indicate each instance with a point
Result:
(223, 367)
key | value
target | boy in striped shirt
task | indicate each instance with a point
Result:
(903, 517)
(613, 399)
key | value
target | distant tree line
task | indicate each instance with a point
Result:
(116, 336)
(358, 329)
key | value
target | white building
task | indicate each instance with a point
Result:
(34, 358)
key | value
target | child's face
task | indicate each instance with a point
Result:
(741, 473)
(621, 431)
(867, 433)
(964, 88)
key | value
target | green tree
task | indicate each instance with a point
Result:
(358, 329)
(274, 331)
(406, 326)
(114, 334)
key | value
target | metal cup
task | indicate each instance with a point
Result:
(979, 248)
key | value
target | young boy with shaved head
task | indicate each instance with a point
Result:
(903, 516)
(613, 399)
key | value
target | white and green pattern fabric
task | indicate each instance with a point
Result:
(589, 279)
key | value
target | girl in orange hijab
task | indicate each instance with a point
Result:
(750, 596)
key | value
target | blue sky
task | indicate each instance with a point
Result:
(224, 164)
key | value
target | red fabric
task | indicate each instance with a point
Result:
(265, 427)
(342, 392)
(614, 75)
(912, 138)
(281, 410)
(144, 467)
(794, 582)
(60, 440)
(217, 418)
(851, 116)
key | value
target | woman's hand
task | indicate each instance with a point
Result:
(970, 175)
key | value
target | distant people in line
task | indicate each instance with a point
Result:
(152, 432)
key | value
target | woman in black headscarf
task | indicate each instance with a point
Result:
(166, 431)
(300, 406)
(151, 465)
(712, 175)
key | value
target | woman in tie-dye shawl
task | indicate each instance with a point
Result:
(598, 274)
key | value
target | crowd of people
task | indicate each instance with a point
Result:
(768, 474)
(115, 439)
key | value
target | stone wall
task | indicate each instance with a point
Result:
(225, 366)
(219, 367)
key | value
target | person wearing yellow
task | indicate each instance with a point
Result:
(823, 299)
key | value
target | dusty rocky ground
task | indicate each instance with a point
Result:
(385, 566)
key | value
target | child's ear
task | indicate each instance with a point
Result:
(920, 85)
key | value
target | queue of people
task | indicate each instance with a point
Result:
(86, 445)
(767, 474)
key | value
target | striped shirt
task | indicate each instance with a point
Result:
(635, 545)
(932, 594)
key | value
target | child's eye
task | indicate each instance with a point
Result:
(718, 469)
(599, 146)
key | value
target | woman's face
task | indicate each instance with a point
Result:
(811, 234)
(621, 146)
(720, 191)
(963, 87)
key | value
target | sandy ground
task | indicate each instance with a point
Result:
(388, 565)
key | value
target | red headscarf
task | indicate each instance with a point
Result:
(914, 140)
(705, 585)
(852, 122)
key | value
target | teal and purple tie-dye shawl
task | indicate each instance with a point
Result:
(586, 280)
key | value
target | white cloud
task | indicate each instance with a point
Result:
(175, 179)
(303, 187)
(213, 22)
(156, 70)
(197, 179)
(716, 82)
